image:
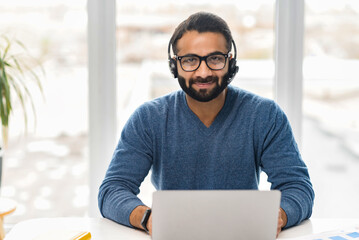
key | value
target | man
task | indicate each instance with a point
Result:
(208, 136)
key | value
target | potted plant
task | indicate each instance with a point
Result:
(16, 73)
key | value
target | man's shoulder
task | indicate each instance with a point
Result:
(261, 110)
(250, 99)
(162, 104)
(164, 101)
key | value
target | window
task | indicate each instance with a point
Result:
(331, 105)
(45, 171)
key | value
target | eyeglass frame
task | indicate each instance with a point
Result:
(204, 58)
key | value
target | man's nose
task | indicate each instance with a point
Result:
(203, 70)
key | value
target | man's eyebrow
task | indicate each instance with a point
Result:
(212, 53)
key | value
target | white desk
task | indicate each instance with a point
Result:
(317, 225)
(104, 229)
(100, 228)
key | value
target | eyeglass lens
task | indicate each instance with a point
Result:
(214, 62)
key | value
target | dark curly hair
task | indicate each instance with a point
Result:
(202, 22)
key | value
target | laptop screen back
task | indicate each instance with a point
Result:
(215, 214)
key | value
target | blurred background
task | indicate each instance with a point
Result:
(46, 168)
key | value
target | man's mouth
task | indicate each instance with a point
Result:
(204, 83)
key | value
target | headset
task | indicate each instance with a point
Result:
(232, 70)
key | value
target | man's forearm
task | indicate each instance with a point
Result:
(136, 216)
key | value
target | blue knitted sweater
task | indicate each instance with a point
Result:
(249, 135)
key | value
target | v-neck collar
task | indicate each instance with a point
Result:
(218, 121)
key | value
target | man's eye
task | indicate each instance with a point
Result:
(216, 58)
(189, 60)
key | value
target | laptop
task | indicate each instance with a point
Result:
(215, 214)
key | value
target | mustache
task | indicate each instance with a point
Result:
(204, 80)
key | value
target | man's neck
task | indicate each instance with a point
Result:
(207, 111)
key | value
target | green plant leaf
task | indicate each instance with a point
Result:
(4, 117)
(15, 70)
(7, 47)
(6, 91)
(20, 95)
(25, 91)
(5, 84)
(32, 74)
(21, 45)
(17, 64)
(5, 107)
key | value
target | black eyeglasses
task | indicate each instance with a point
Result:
(214, 61)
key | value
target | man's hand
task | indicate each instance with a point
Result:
(136, 217)
(282, 220)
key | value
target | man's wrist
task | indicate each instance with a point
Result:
(137, 215)
(145, 218)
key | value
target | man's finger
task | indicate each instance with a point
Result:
(278, 231)
(280, 223)
(149, 225)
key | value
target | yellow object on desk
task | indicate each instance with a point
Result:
(7, 206)
(64, 235)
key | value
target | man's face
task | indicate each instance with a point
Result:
(202, 84)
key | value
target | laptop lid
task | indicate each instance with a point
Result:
(215, 214)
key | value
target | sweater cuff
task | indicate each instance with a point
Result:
(129, 208)
(292, 217)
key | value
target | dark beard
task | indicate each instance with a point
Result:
(204, 95)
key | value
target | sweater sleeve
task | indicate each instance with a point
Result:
(130, 164)
(282, 162)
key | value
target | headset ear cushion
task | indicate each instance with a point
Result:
(173, 67)
(233, 68)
